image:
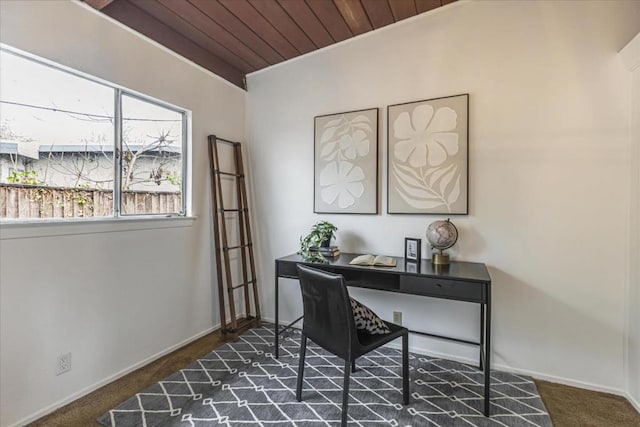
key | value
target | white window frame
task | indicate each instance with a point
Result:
(118, 216)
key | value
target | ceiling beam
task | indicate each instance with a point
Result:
(234, 37)
(354, 15)
(134, 17)
(379, 12)
(427, 5)
(280, 19)
(331, 18)
(227, 21)
(98, 4)
(308, 21)
(402, 9)
(186, 19)
(263, 28)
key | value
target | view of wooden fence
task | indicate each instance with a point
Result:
(35, 201)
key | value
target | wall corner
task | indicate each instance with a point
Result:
(630, 56)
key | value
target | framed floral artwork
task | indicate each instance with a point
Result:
(346, 162)
(427, 157)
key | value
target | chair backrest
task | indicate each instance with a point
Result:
(328, 319)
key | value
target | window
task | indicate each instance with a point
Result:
(75, 147)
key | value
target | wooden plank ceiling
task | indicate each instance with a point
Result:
(235, 37)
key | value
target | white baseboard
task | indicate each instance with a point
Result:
(533, 374)
(507, 368)
(633, 402)
(537, 375)
(511, 369)
(562, 380)
(51, 408)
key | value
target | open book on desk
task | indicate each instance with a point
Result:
(377, 261)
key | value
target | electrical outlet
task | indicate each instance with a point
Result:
(63, 363)
(397, 317)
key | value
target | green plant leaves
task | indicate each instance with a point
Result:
(320, 232)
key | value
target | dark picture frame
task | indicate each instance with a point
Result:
(428, 156)
(412, 249)
(345, 178)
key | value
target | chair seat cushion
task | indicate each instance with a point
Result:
(366, 320)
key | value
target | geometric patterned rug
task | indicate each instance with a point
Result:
(242, 384)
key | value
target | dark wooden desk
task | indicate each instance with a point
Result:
(460, 281)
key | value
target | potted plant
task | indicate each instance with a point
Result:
(321, 234)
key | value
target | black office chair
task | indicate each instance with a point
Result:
(328, 321)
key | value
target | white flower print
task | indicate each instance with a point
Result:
(356, 144)
(341, 181)
(425, 137)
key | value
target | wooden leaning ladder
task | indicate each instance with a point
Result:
(222, 248)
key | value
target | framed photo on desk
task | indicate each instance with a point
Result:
(412, 249)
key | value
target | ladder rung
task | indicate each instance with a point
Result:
(241, 285)
(234, 210)
(219, 172)
(225, 141)
(226, 248)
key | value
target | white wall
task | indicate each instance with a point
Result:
(111, 298)
(549, 151)
(631, 58)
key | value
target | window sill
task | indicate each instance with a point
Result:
(48, 228)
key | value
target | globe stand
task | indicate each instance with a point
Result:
(440, 258)
(442, 235)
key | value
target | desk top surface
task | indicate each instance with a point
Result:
(455, 270)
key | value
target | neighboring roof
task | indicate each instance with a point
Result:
(23, 148)
(71, 148)
(9, 147)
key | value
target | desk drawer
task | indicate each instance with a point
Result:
(287, 269)
(442, 288)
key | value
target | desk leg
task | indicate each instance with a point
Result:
(482, 350)
(487, 357)
(277, 328)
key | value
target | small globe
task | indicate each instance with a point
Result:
(442, 234)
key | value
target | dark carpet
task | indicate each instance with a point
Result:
(241, 384)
